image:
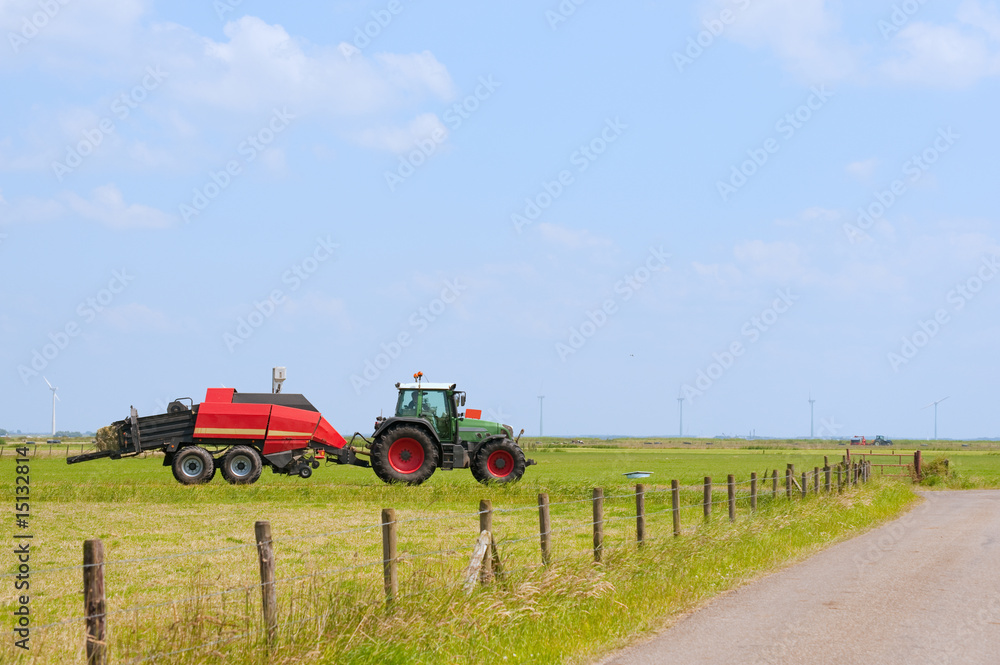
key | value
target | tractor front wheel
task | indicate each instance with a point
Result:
(193, 465)
(404, 455)
(500, 461)
(241, 465)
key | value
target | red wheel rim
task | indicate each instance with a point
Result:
(406, 455)
(500, 463)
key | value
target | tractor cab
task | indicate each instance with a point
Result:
(437, 403)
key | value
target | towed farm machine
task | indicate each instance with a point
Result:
(241, 433)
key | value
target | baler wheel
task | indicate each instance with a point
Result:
(193, 465)
(241, 465)
(500, 461)
(404, 454)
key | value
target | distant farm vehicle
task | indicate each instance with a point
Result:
(879, 440)
(240, 434)
(427, 433)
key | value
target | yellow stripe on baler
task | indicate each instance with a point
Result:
(272, 432)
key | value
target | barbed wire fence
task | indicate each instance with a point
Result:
(489, 558)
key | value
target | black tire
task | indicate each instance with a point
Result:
(305, 472)
(404, 454)
(241, 465)
(193, 465)
(499, 461)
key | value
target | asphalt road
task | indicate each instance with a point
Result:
(922, 589)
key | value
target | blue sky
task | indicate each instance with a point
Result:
(611, 204)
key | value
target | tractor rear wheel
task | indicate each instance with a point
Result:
(193, 465)
(241, 465)
(500, 461)
(404, 454)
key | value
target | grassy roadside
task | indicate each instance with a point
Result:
(572, 611)
(577, 611)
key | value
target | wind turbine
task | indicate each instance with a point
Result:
(680, 415)
(54, 398)
(934, 404)
(541, 404)
(811, 402)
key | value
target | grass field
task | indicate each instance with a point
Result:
(328, 551)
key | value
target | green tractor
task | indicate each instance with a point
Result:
(428, 432)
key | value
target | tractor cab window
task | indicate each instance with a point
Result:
(434, 407)
(407, 404)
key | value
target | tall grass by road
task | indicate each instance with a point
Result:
(566, 612)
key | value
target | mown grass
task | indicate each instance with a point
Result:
(332, 608)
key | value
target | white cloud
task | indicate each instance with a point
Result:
(950, 56)
(261, 65)
(211, 90)
(803, 34)
(105, 206)
(573, 238)
(863, 169)
(426, 126)
(806, 37)
(781, 261)
(941, 55)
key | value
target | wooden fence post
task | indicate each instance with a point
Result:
(753, 492)
(93, 601)
(640, 514)
(598, 523)
(707, 502)
(805, 484)
(774, 484)
(486, 524)
(480, 555)
(918, 468)
(731, 495)
(675, 505)
(788, 481)
(840, 480)
(826, 478)
(545, 528)
(390, 567)
(268, 590)
(816, 480)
